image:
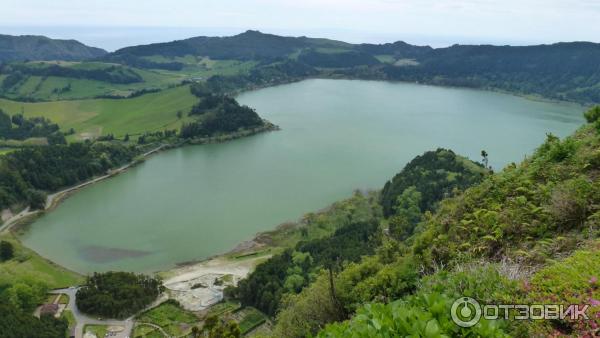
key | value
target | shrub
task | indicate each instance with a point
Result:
(6, 251)
(573, 280)
(423, 315)
(569, 202)
(593, 114)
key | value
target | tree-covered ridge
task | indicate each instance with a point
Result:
(346, 59)
(219, 113)
(117, 294)
(435, 175)
(250, 45)
(30, 47)
(261, 76)
(564, 71)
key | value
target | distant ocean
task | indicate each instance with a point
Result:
(113, 38)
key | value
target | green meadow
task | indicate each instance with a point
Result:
(28, 266)
(49, 88)
(95, 117)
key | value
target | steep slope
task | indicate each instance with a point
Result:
(32, 47)
(526, 235)
(435, 175)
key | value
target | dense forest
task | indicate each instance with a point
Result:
(15, 322)
(219, 113)
(292, 270)
(435, 175)
(26, 174)
(117, 294)
(562, 71)
(336, 60)
(261, 76)
(139, 62)
(251, 45)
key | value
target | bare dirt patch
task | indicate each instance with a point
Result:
(198, 286)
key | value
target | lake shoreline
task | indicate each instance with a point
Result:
(300, 146)
(55, 199)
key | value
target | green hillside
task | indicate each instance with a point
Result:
(525, 235)
(563, 71)
(91, 118)
(30, 47)
(61, 80)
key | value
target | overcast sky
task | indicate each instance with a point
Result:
(433, 22)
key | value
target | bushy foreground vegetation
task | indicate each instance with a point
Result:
(291, 282)
(117, 294)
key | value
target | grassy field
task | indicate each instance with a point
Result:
(171, 317)
(27, 265)
(99, 330)
(90, 118)
(222, 308)
(251, 319)
(64, 299)
(4, 151)
(203, 67)
(51, 88)
(146, 331)
(68, 315)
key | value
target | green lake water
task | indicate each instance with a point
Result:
(337, 135)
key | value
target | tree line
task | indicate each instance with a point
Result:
(112, 74)
(18, 127)
(26, 174)
(292, 270)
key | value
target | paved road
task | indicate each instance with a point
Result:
(83, 320)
